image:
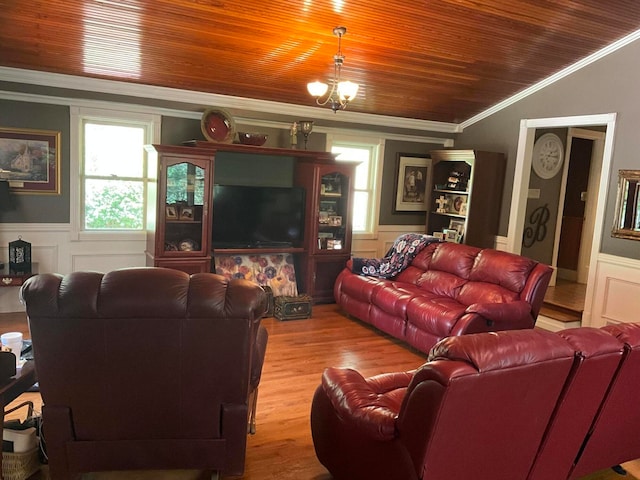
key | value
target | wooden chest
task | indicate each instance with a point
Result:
(292, 307)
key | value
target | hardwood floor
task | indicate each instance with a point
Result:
(297, 353)
(567, 294)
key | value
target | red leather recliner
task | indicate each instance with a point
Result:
(448, 289)
(526, 405)
(144, 368)
(613, 437)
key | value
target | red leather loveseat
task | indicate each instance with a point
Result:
(513, 405)
(448, 289)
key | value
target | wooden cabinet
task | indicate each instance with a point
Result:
(179, 220)
(466, 196)
(328, 222)
(180, 224)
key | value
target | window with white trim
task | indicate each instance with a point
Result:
(366, 196)
(113, 170)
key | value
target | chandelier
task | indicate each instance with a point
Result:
(342, 92)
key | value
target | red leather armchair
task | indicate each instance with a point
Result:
(145, 368)
(448, 289)
(527, 404)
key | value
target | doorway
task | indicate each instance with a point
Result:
(521, 188)
(577, 205)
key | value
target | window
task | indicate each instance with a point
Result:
(366, 197)
(112, 167)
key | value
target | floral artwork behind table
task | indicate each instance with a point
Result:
(275, 271)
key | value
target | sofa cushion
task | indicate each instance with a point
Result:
(361, 287)
(434, 314)
(395, 297)
(482, 292)
(502, 268)
(454, 258)
(440, 283)
(423, 259)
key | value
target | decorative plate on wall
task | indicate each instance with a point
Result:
(548, 152)
(217, 126)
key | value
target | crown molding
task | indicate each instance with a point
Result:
(57, 80)
(594, 57)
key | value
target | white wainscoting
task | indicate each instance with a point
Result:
(377, 247)
(616, 292)
(53, 250)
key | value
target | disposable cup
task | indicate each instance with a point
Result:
(13, 340)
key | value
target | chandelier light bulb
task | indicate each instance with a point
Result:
(342, 92)
(347, 90)
(317, 89)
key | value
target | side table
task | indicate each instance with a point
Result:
(12, 279)
(15, 386)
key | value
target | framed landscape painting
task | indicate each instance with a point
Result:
(30, 160)
(413, 177)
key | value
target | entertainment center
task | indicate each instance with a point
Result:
(194, 216)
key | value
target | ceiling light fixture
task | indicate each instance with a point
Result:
(342, 92)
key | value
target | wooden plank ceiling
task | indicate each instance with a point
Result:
(441, 60)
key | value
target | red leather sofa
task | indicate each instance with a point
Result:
(512, 405)
(146, 368)
(448, 289)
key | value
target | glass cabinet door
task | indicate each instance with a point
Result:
(184, 205)
(333, 213)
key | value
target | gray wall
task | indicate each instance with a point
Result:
(276, 171)
(39, 208)
(388, 215)
(539, 243)
(608, 86)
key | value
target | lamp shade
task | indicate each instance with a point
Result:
(317, 89)
(347, 90)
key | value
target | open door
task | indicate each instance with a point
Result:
(577, 208)
(522, 176)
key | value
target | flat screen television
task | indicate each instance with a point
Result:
(257, 217)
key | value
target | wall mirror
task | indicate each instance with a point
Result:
(627, 218)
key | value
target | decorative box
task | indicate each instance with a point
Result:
(292, 307)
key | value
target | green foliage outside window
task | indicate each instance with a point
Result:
(114, 205)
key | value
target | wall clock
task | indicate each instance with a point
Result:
(548, 153)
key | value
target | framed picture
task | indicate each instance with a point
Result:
(463, 209)
(186, 213)
(450, 235)
(455, 203)
(171, 212)
(413, 179)
(329, 206)
(335, 221)
(30, 160)
(331, 186)
(457, 225)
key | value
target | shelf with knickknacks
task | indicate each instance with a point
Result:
(466, 195)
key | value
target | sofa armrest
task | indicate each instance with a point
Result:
(371, 405)
(502, 313)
